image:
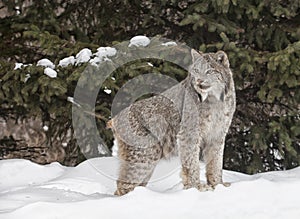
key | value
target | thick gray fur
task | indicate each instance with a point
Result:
(189, 119)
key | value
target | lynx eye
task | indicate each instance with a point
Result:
(209, 71)
(196, 70)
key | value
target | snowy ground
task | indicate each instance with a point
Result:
(28, 190)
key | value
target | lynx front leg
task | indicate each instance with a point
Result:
(191, 169)
(214, 165)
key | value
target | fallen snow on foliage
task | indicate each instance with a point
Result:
(83, 56)
(150, 64)
(95, 61)
(32, 191)
(27, 76)
(50, 72)
(103, 52)
(139, 41)
(67, 61)
(18, 66)
(106, 90)
(169, 44)
(45, 63)
(71, 100)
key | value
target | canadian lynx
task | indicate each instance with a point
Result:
(191, 119)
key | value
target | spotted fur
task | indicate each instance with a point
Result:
(189, 119)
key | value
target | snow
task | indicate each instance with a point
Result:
(46, 128)
(150, 64)
(139, 41)
(95, 61)
(115, 148)
(27, 76)
(83, 56)
(169, 44)
(106, 90)
(18, 65)
(50, 72)
(18, 173)
(103, 52)
(71, 100)
(45, 63)
(67, 61)
(29, 190)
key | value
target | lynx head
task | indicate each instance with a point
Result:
(210, 74)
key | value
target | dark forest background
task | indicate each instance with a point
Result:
(261, 38)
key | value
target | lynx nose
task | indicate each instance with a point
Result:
(199, 81)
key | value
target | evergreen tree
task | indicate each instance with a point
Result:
(261, 38)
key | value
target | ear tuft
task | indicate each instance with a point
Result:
(195, 55)
(222, 58)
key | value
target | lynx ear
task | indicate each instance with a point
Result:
(195, 55)
(222, 96)
(222, 58)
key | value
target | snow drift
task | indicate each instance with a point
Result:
(28, 190)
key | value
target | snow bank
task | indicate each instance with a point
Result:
(16, 173)
(28, 190)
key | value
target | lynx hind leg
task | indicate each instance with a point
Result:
(136, 168)
(131, 176)
(214, 166)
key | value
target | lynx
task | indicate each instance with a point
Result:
(190, 119)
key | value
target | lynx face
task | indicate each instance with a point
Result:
(210, 74)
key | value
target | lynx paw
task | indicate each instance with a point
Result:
(205, 187)
(226, 184)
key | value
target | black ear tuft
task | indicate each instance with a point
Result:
(222, 96)
(222, 58)
(195, 55)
